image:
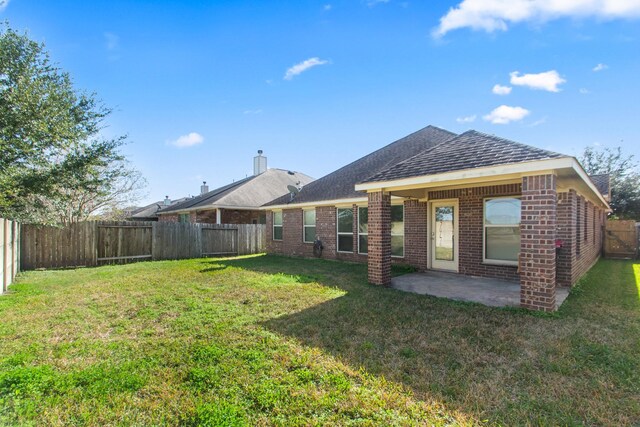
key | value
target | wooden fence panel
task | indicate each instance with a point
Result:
(9, 252)
(621, 240)
(94, 243)
(120, 241)
(219, 240)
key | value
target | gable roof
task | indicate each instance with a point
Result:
(151, 210)
(340, 184)
(602, 183)
(250, 192)
(469, 150)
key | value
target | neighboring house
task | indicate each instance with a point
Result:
(238, 202)
(472, 203)
(150, 212)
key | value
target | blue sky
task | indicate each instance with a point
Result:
(200, 86)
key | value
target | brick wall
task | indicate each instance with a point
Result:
(168, 218)
(292, 235)
(471, 228)
(537, 243)
(379, 238)
(235, 216)
(206, 217)
(416, 239)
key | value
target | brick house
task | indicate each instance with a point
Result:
(472, 204)
(238, 202)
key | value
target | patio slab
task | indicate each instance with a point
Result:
(491, 292)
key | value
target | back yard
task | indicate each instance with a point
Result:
(266, 340)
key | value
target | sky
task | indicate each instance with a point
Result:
(200, 86)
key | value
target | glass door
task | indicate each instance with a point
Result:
(444, 235)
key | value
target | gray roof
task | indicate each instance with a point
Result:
(469, 150)
(341, 183)
(602, 183)
(150, 211)
(251, 192)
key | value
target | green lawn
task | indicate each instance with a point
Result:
(276, 341)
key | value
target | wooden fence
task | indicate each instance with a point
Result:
(620, 239)
(103, 242)
(9, 252)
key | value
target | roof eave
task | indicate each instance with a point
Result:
(505, 171)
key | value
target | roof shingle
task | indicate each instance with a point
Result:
(469, 150)
(340, 184)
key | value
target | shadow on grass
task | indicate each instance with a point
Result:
(488, 362)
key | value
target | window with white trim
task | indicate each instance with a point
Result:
(277, 225)
(309, 225)
(397, 231)
(345, 230)
(502, 230)
(363, 230)
(183, 218)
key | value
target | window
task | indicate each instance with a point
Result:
(277, 225)
(183, 217)
(397, 230)
(345, 230)
(363, 230)
(309, 225)
(578, 229)
(502, 230)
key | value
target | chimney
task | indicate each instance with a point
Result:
(259, 163)
(204, 188)
(167, 201)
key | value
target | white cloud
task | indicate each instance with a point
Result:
(505, 114)
(538, 122)
(327, 7)
(584, 91)
(493, 15)
(501, 90)
(600, 67)
(548, 80)
(3, 4)
(111, 41)
(303, 66)
(467, 119)
(188, 140)
(372, 3)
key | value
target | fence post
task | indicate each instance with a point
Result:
(3, 249)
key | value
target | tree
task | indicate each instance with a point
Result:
(54, 164)
(625, 179)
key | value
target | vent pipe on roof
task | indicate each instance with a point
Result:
(167, 201)
(259, 163)
(204, 188)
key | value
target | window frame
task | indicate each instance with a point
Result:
(185, 216)
(305, 226)
(363, 234)
(343, 233)
(273, 226)
(403, 231)
(491, 261)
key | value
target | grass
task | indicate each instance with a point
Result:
(277, 341)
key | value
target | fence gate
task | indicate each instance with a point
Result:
(219, 241)
(620, 239)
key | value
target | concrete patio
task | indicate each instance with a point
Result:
(491, 292)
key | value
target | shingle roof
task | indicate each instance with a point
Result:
(602, 183)
(253, 191)
(150, 211)
(341, 183)
(469, 150)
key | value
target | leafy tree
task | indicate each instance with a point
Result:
(54, 164)
(625, 179)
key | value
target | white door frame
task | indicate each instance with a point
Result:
(444, 265)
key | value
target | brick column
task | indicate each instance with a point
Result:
(379, 238)
(566, 232)
(537, 243)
